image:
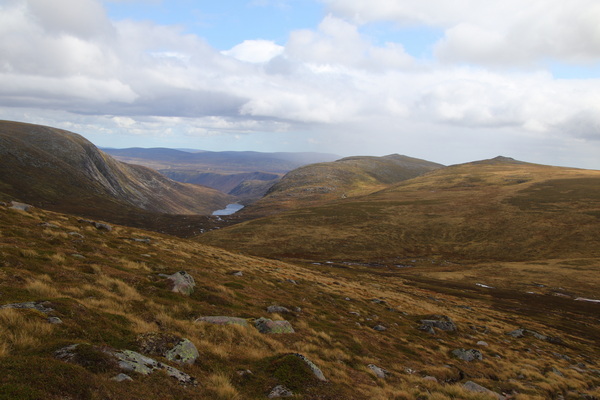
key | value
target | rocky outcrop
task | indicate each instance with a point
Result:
(265, 325)
(523, 332)
(222, 320)
(280, 391)
(15, 205)
(101, 359)
(41, 306)
(440, 322)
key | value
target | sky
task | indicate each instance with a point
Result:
(447, 81)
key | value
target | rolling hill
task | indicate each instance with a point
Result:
(498, 209)
(60, 170)
(320, 183)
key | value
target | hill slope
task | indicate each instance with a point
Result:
(62, 171)
(348, 177)
(493, 210)
(72, 296)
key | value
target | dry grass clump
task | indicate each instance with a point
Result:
(42, 287)
(28, 253)
(57, 259)
(21, 329)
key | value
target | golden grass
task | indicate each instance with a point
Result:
(42, 288)
(28, 253)
(20, 330)
(220, 385)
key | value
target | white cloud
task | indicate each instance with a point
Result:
(508, 32)
(255, 51)
(331, 84)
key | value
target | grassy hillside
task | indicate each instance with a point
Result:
(62, 171)
(320, 183)
(106, 288)
(494, 210)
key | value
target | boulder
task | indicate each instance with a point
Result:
(222, 320)
(97, 225)
(121, 378)
(379, 372)
(474, 387)
(441, 322)
(15, 205)
(315, 370)
(467, 355)
(182, 282)
(380, 328)
(265, 325)
(184, 352)
(524, 332)
(280, 391)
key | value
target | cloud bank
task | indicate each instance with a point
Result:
(329, 88)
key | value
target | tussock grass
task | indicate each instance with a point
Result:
(21, 330)
(221, 387)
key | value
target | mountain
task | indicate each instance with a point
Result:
(223, 170)
(320, 183)
(88, 314)
(62, 171)
(497, 209)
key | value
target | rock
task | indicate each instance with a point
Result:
(523, 332)
(379, 328)
(467, 355)
(173, 348)
(379, 372)
(3, 204)
(378, 301)
(79, 256)
(237, 273)
(41, 306)
(48, 225)
(430, 378)
(277, 309)
(356, 313)
(183, 353)
(182, 282)
(280, 391)
(315, 370)
(556, 371)
(482, 343)
(76, 234)
(441, 322)
(473, 387)
(55, 320)
(244, 372)
(131, 361)
(15, 205)
(97, 225)
(221, 320)
(293, 282)
(265, 325)
(121, 378)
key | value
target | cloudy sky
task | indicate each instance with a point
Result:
(448, 81)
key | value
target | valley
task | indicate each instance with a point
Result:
(362, 278)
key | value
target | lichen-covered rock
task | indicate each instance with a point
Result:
(265, 325)
(184, 352)
(313, 367)
(182, 282)
(467, 355)
(222, 320)
(441, 322)
(172, 347)
(132, 361)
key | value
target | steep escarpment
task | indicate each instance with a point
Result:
(63, 171)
